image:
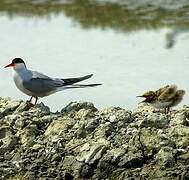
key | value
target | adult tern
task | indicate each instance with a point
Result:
(36, 84)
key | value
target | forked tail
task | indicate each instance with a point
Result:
(82, 85)
(70, 81)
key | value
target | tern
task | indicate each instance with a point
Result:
(37, 85)
(164, 98)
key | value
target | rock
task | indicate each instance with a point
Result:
(184, 157)
(116, 154)
(23, 107)
(75, 107)
(185, 175)
(72, 166)
(43, 108)
(180, 118)
(7, 140)
(165, 157)
(93, 154)
(83, 142)
(116, 114)
(181, 134)
(131, 160)
(28, 135)
(7, 107)
(10, 119)
(58, 127)
(155, 120)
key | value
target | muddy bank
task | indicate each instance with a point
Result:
(82, 142)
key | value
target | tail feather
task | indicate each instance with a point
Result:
(82, 85)
(70, 81)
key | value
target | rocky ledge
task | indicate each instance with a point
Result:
(82, 142)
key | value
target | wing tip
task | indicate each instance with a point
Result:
(89, 75)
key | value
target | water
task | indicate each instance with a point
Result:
(129, 56)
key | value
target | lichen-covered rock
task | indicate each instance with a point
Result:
(8, 106)
(7, 140)
(58, 127)
(115, 114)
(180, 133)
(75, 107)
(28, 135)
(92, 154)
(82, 142)
(165, 157)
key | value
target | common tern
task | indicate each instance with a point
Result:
(37, 85)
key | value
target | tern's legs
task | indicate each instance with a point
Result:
(167, 110)
(36, 98)
(30, 101)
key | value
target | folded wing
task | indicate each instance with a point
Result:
(168, 93)
(42, 87)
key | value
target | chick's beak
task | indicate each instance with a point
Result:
(142, 97)
(139, 96)
(10, 65)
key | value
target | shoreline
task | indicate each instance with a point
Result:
(83, 142)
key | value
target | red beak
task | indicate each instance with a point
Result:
(10, 65)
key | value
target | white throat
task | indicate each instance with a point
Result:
(19, 67)
(20, 70)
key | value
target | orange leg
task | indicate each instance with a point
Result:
(36, 98)
(30, 101)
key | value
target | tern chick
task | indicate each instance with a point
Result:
(164, 98)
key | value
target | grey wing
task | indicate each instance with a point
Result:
(36, 74)
(41, 87)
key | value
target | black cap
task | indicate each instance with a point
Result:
(17, 60)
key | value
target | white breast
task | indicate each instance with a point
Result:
(19, 83)
(160, 105)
